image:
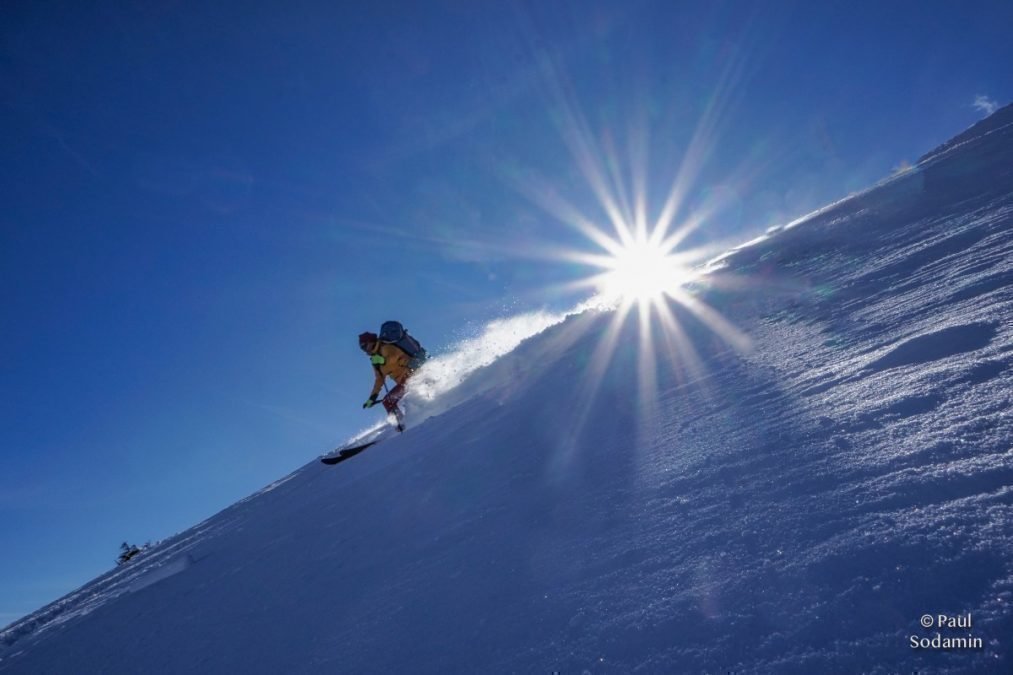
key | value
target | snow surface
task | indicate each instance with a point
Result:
(794, 507)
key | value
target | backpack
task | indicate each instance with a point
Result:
(393, 333)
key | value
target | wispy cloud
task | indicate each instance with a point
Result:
(985, 104)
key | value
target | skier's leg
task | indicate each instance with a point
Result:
(390, 404)
(392, 397)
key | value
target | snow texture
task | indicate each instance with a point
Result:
(796, 507)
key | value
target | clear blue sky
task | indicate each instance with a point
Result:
(204, 204)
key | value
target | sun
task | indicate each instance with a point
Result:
(642, 272)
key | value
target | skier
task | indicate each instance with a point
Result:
(396, 355)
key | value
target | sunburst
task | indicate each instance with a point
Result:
(637, 267)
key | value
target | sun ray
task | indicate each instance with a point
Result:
(565, 212)
(683, 357)
(584, 395)
(577, 136)
(600, 260)
(639, 151)
(715, 321)
(647, 365)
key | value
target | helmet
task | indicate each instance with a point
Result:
(367, 339)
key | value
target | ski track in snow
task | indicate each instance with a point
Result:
(794, 509)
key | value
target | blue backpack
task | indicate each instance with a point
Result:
(393, 333)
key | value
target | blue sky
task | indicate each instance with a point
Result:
(204, 204)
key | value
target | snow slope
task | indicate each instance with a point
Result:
(796, 507)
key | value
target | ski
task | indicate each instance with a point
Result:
(346, 453)
(395, 425)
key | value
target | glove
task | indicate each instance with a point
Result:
(370, 402)
(377, 360)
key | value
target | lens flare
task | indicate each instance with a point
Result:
(634, 254)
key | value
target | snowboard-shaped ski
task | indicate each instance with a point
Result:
(347, 453)
(366, 441)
